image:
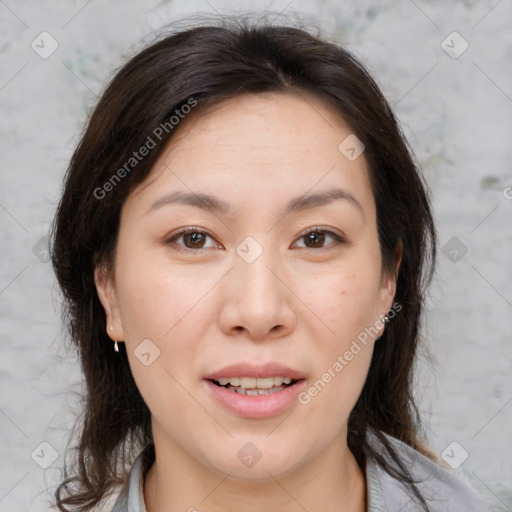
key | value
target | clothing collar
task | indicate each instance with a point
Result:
(440, 488)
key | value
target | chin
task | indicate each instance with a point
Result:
(252, 464)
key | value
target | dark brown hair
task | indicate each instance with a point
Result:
(209, 64)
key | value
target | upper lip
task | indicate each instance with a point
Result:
(270, 369)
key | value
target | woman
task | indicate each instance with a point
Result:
(244, 244)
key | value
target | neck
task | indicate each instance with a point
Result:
(332, 481)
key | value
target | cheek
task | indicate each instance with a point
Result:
(342, 359)
(344, 301)
(165, 312)
(161, 309)
(163, 304)
(155, 297)
(334, 392)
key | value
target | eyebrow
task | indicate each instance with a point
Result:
(215, 205)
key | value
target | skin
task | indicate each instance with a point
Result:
(301, 303)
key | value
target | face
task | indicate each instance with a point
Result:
(264, 278)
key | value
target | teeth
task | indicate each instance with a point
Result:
(253, 383)
(242, 391)
(247, 382)
(268, 383)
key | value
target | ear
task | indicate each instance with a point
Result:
(388, 285)
(107, 294)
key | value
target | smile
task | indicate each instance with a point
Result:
(254, 386)
(248, 400)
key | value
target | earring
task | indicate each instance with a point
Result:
(116, 347)
(385, 320)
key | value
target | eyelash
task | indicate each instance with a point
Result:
(317, 229)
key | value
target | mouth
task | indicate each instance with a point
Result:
(255, 391)
(250, 401)
(252, 386)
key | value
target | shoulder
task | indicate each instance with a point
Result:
(108, 502)
(442, 488)
(127, 496)
(130, 497)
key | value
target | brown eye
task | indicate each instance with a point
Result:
(192, 239)
(195, 239)
(316, 237)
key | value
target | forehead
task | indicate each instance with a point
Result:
(271, 146)
(269, 121)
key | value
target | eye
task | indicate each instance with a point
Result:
(193, 239)
(316, 238)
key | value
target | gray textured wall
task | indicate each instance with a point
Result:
(456, 109)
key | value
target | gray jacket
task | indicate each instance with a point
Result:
(441, 488)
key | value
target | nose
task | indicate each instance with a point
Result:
(257, 300)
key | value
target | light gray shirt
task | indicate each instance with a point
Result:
(441, 488)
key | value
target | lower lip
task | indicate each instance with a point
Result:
(256, 406)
